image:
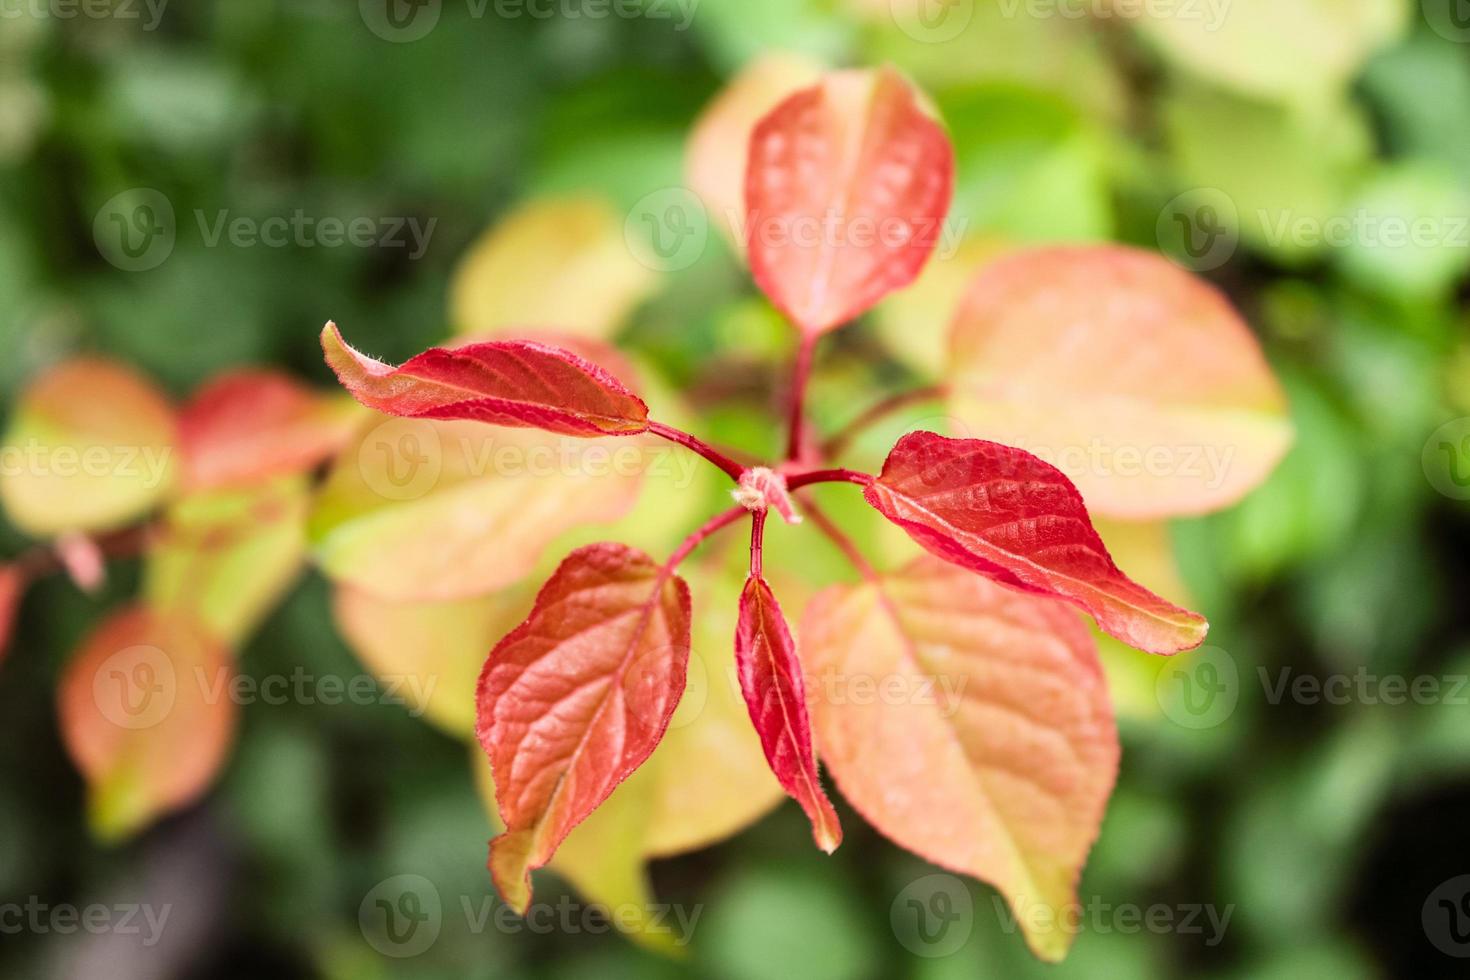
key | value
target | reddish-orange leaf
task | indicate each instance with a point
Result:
(770, 678)
(147, 715)
(248, 426)
(1006, 514)
(970, 723)
(846, 190)
(576, 698)
(504, 382)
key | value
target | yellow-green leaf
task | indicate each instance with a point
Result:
(89, 448)
(226, 557)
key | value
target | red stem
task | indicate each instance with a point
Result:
(800, 375)
(731, 468)
(757, 541)
(834, 533)
(720, 520)
(839, 442)
(838, 475)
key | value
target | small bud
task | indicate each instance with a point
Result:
(761, 488)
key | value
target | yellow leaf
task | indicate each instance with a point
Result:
(555, 263)
(429, 510)
(430, 652)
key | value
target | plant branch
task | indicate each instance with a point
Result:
(801, 373)
(835, 534)
(757, 541)
(838, 475)
(731, 468)
(720, 520)
(839, 442)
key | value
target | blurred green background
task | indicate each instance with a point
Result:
(1322, 829)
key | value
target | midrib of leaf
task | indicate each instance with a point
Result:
(803, 760)
(984, 547)
(915, 662)
(645, 615)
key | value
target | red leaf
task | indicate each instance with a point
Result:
(503, 382)
(576, 698)
(846, 188)
(770, 678)
(12, 587)
(248, 426)
(1006, 514)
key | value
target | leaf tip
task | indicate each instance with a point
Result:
(510, 869)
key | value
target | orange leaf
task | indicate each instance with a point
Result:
(846, 188)
(89, 448)
(1132, 376)
(970, 724)
(146, 715)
